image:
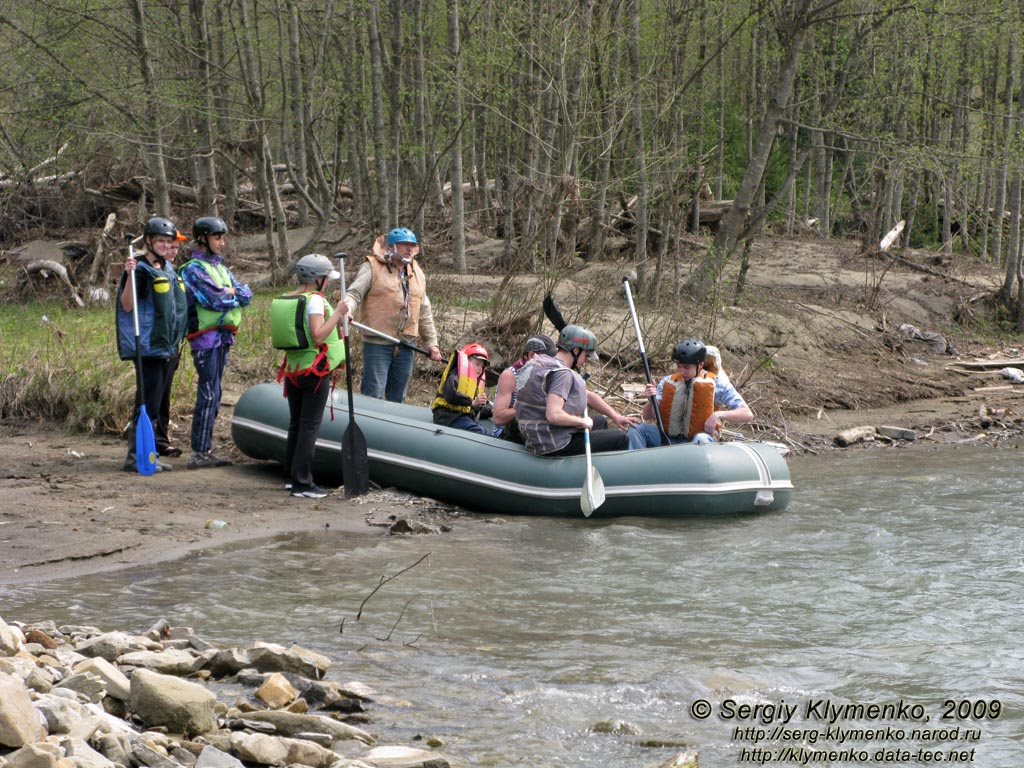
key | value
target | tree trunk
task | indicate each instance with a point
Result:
(458, 197)
(206, 175)
(733, 221)
(385, 218)
(154, 142)
(640, 218)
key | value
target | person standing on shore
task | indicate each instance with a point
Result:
(310, 358)
(215, 302)
(389, 294)
(162, 318)
(162, 422)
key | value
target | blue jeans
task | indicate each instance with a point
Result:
(210, 365)
(387, 369)
(648, 436)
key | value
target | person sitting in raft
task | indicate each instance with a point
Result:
(305, 326)
(504, 416)
(687, 400)
(462, 396)
(551, 404)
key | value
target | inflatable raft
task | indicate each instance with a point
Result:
(408, 451)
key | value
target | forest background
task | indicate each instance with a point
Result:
(615, 131)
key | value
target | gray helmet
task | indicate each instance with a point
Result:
(315, 265)
(208, 225)
(578, 340)
(691, 351)
(158, 225)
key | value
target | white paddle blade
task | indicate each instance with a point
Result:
(595, 492)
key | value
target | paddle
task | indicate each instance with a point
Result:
(593, 488)
(145, 440)
(355, 462)
(392, 339)
(643, 357)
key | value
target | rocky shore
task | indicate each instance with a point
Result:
(80, 697)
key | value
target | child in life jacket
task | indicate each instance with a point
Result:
(461, 399)
(687, 401)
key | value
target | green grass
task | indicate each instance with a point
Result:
(60, 364)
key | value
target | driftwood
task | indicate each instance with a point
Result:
(855, 435)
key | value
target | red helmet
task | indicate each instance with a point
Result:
(476, 350)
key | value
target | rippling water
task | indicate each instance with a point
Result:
(893, 576)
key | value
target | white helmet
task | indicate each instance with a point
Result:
(314, 265)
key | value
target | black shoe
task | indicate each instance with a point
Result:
(172, 451)
(205, 461)
(309, 492)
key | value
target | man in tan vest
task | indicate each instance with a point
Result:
(389, 295)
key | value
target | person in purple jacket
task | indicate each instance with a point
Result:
(215, 301)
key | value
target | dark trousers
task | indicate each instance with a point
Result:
(600, 440)
(307, 397)
(162, 418)
(154, 385)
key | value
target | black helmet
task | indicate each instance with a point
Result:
(208, 225)
(691, 351)
(158, 225)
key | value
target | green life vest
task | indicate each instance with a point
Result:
(298, 361)
(226, 320)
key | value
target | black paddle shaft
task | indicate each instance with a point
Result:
(355, 463)
(643, 358)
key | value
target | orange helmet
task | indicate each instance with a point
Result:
(476, 350)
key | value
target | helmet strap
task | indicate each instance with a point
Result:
(576, 358)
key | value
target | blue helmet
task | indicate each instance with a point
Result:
(401, 235)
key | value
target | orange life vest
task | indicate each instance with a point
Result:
(686, 406)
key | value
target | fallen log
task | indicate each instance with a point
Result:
(848, 437)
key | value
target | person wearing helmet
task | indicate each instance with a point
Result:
(215, 302)
(162, 318)
(461, 399)
(313, 348)
(552, 403)
(389, 294)
(504, 417)
(687, 401)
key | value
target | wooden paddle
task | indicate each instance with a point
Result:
(593, 488)
(145, 440)
(355, 462)
(643, 357)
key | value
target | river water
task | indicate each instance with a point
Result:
(892, 581)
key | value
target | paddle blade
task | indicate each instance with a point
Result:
(593, 489)
(553, 313)
(355, 463)
(145, 443)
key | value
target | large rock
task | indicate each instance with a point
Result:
(115, 681)
(404, 757)
(87, 685)
(61, 713)
(268, 657)
(11, 639)
(211, 757)
(85, 756)
(110, 645)
(276, 692)
(20, 724)
(178, 705)
(166, 662)
(39, 755)
(277, 750)
(292, 724)
(228, 661)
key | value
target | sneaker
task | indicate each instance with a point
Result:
(162, 467)
(287, 486)
(172, 451)
(309, 492)
(130, 466)
(205, 461)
